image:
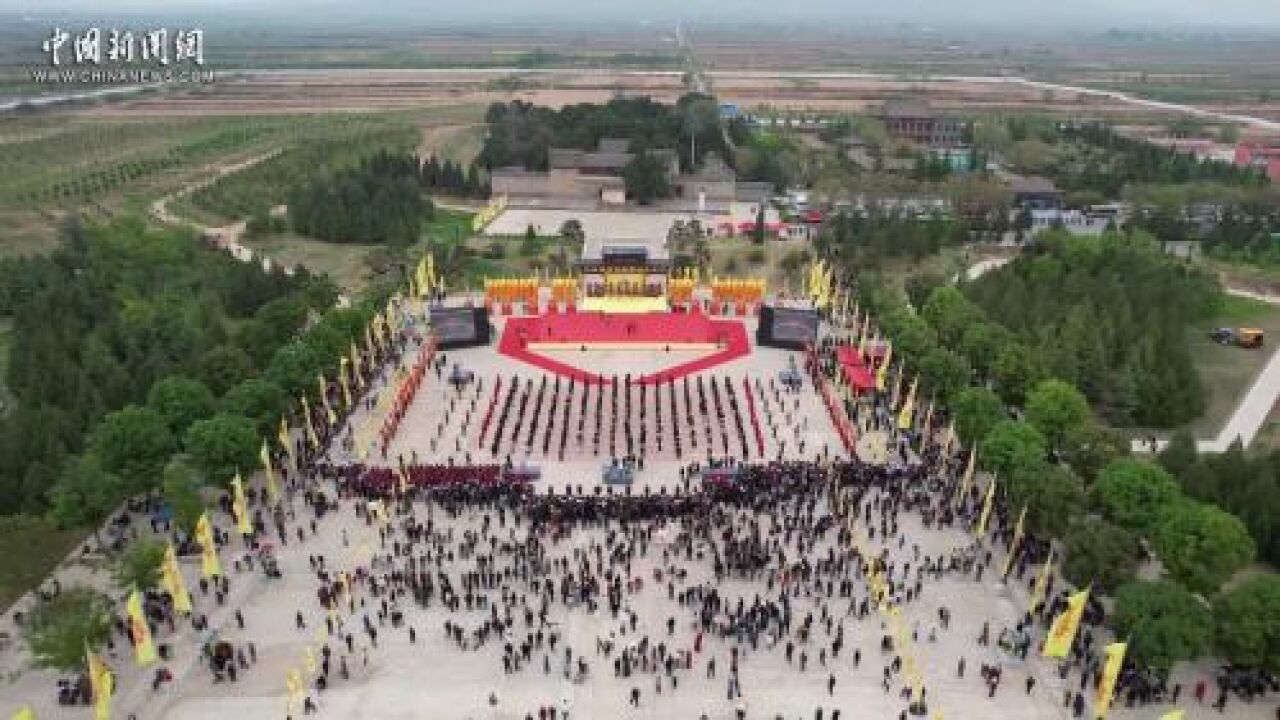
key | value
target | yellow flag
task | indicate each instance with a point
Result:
(311, 429)
(355, 366)
(1174, 715)
(1062, 633)
(24, 713)
(1042, 582)
(324, 400)
(882, 372)
(209, 564)
(293, 681)
(103, 685)
(171, 578)
(240, 507)
(1017, 540)
(342, 381)
(144, 649)
(906, 416)
(286, 442)
(1110, 672)
(264, 454)
(966, 482)
(986, 508)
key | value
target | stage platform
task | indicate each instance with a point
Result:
(661, 335)
(624, 305)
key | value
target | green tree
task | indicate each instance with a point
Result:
(1053, 495)
(1247, 622)
(646, 178)
(1012, 446)
(1134, 492)
(58, 631)
(181, 490)
(294, 368)
(1015, 370)
(1098, 553)
(139, 565)
(133, 443)
(85, 494)
(945, 372)
(1180, 453)
(1057, 410)
(1091, 447)
(222, 368)
(1200, 545)
(222, 446)
(981, 344)
(976, 410)
(950, 313)
(180, 401)
(262, 401)
(1164, 623)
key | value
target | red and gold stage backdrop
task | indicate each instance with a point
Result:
(512, 290)
(750, 291)
(564, 290)
(680, 290)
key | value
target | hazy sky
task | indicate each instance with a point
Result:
(1042, 15)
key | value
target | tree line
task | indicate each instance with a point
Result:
(1080, 488)
(521, 133)
(379, 200)
(141, 360)
(1107, 161)
(1108, 315)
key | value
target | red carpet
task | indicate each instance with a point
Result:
(647, 329)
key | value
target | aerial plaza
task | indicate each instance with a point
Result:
(630, 493)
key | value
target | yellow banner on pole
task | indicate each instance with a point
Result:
(1017, 540)
(1063, 631)
(209, 563)
(986, 508)
(342, 381)
(240, 507)
(357, 375)
(311, 429)
(273, 490)
(1042, 582)
(144, 649)
(966, 482)
(1110, 672)
(286, 442)
(102, 684)
(171, 579)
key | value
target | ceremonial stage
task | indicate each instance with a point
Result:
(679, 343)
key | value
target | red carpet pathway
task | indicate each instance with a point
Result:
(644, 328)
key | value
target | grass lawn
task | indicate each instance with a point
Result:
(1257, 278)
(343, 262)
(1227, 372)
(30, 548)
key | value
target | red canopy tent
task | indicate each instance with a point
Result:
(856, 372)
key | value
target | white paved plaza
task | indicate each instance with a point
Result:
(433, 679)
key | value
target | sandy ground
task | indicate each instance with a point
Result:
(285, 91)
(433, 679)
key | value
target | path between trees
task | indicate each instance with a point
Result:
(1249, 414)
(226, 237)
